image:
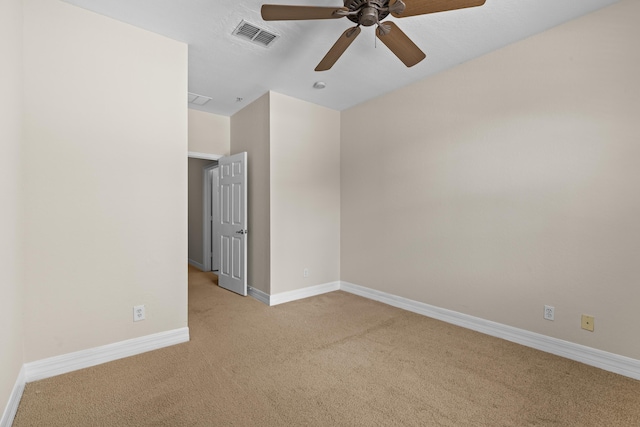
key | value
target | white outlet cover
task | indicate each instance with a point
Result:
(138, 313)
(549, 312)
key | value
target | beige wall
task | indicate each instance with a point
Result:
(294, 191)
(305, 194)
(508, 183)
(196, 209)
(250, 133)
(106, 182)
(209, 133)
(11, 289)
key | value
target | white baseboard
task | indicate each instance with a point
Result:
(590, 356)
(14, 400)
(258, 294)
(196, 264)
(311, 291)
(58, 365)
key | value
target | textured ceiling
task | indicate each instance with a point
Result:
(225, 68)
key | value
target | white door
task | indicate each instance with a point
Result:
(233, 223)
(214, 215)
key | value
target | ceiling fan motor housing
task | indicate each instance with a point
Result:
(370, 12)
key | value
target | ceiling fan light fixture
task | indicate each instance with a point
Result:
(319, 85)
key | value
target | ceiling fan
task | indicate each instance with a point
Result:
(367, 13)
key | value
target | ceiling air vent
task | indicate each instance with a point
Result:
(198, 99)
(255, 34)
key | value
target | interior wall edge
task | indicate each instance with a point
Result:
(11, 408)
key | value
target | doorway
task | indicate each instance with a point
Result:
(218, 218)
(196, 210)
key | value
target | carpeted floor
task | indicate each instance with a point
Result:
(332, 360)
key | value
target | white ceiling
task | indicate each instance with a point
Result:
(225, 68)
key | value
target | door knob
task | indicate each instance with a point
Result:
(241, 232)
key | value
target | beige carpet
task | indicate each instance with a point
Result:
(335, 359)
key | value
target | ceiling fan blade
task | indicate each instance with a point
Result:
(400, 44)
(422, 7)
(276, 12)
(338, 49)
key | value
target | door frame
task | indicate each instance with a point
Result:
(207, 199)
(204, 156)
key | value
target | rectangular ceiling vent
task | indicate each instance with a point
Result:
(255, 34)
(197, 99)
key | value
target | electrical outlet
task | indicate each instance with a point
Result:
(305, 272)
(138, 313)
(549, 312)
(587, 322)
